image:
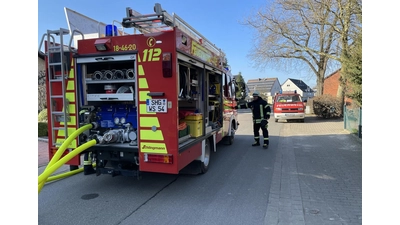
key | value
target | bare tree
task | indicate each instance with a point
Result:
(348, 14)
(302, 33)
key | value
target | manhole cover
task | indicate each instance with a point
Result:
(314, 211)
(89, 196)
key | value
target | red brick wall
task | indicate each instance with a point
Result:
(331, 86)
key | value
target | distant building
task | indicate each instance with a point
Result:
(267, 87)
(299, 86)
(331, 86)
(264, 86)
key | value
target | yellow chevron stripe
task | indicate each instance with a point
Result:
(60, 141)
(70, 96)
(153, 148)
(72, 121)
(151, 135)
(143, 83)
(149, 122)
(148, 147)
(143, 96)
(70, 131)
(140, 70)
(71, 85)
(71, 108)
(142, 110)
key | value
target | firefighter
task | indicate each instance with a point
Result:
(261, 114)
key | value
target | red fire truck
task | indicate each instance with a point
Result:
(156, 101)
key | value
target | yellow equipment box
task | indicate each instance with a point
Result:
(197, 116)
(195, 127)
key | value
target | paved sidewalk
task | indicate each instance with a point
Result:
(317, 178)
(43, 156)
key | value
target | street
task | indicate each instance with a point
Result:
(311, 174)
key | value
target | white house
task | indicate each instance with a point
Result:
(299, 86)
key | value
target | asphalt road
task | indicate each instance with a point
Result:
(295, 181)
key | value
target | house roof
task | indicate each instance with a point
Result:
(300, 84)
(261, 84)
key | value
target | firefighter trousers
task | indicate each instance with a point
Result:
(256, 130)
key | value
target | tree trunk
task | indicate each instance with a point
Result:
(320, 83)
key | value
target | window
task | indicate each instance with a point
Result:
(227, 86)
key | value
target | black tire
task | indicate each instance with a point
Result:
(206, 163)
(231, 138)
(276, 120)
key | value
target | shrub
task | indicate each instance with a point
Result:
(42, 129)
(42, 117)
(322, 105)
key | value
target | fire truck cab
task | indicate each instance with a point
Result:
(157, 101)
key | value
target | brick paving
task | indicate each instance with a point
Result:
(43, 156)
(317, 176)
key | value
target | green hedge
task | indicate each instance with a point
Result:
(323, 103)
(42, 129)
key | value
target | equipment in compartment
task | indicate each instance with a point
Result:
(109, 88)
(114, 74)
(108, 75)
(117, 116)
(118, 124)
(130, 74)
(195, 127)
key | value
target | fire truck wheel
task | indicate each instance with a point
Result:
(207, 151)
(231, 137)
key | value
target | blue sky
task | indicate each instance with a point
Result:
(218, 21)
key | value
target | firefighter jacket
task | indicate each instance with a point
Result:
(260, 109)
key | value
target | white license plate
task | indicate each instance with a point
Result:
(289, 114)
(156, 105)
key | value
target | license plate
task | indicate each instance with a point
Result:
(156, 105)
(289, 115)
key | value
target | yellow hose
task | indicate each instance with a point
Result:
(63, 160)
(64, 146)
(59, 153)
(66, 174)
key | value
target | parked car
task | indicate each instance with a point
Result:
(288, 106)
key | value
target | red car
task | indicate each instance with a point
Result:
(288, 106)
